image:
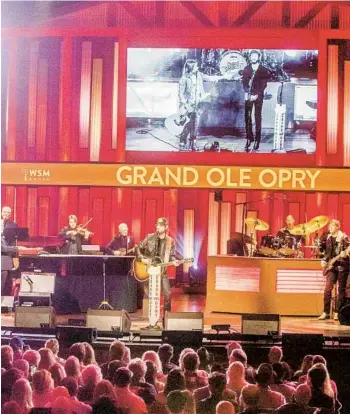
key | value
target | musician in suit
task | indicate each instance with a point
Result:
(336, 243)
(7, 254)
(7, 223)
(158, 244)
(122, 243)
(73, 236)
(255, 78)
(191, 91)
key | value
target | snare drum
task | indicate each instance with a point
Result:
(267, 246)
(289, 248)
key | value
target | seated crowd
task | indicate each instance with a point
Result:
(42, 382)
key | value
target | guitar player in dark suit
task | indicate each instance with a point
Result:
(122, 244)
(158, 244)
(255, 77)
(336, 243)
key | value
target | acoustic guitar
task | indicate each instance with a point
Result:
(141, 269)
(330, 264)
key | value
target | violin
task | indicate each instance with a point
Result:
(81, 230)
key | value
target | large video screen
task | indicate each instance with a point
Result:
(242, 100)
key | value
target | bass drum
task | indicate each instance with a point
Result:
(232, 64)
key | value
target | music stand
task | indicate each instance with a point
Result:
(16, 234)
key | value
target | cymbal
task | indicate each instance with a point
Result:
(246, 239)
(300, 230)
(317, 223)
(257, 224)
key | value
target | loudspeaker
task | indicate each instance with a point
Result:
(183, 338)
(296, 346)
(260, 324)
(183, 321)
(7, 304)
(34, 317)
(73, 334)
(108, 320)
(344, 315)
(218, 195)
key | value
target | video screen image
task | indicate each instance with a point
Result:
(244, 100)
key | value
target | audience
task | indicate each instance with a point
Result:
(54, 345)
(72, 386)
(57, 373)
(225, 407)
(267, 398)
(300, 404)
(236, 377)
(322, 394)
(43, 386)
(23, 366)
(22, 394)
(249, 399)
(89, 357)
(104, 387)
(166, 353)
(117, 352)
(17, 344)
(90, 377)
(275, 354)
(125, 398)
(279, 383)
(47, 359)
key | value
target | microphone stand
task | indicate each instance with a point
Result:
(104, 304)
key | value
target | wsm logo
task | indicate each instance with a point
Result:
(36, 174)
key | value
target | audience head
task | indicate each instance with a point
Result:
(165, 352)
(47, 358)
(117, 351)
(176, 402)
(238, 355)
(42, 381)
(275, 354)
(138, 369)
(191, 362)
(112, 368)
(151, 372)
(72, 367)
(89, 354)
(122, 377)
(78, 350)
(91, 375)
(105, 405)
(22, 393)
(71, 384)
(127, 355)
(231, 346)
(319, 359)
(250, 396)
(61, 405)
(278, 371)
(302, 394)
(17, 344)
(58, 373)
(23, 366)
(11, 407)
(264, 375)
(6, 356)
(217, 383)
(182, 354)
(175, 381)
(33, 357)
(225, 407)
(307, 363)
(216, 367)
(205, 358)
(104, 387)
(317, 375)
(235, 372)
(60, 391)
(154, 357)
(8, 378)
(54, 345)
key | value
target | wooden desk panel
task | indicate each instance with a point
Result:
(263, 285)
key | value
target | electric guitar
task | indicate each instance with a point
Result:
(330, 264)
(140, 269)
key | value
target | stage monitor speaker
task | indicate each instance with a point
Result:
(72, 334)
(183, 321)
(260, 324)
(34, 317)
(108, 320)
(296, 346)
(344, 315)
(193, 339)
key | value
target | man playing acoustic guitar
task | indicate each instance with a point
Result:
(336, 267)
(160, 245)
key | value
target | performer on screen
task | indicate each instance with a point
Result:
(158, 244)
(6, 222)
(122, 244)
(191, 92)
(337, 245)
(255, 77)
(73, 236)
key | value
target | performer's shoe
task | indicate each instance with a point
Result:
(182, 146)
(247, 145)
(335, 316)
(323, 317)
(151, 327)
(256, 145)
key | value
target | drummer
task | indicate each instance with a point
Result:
(286, 233)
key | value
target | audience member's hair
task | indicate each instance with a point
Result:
(105, 405)
(231, 346)
(225, 407)
(319, 358)
(112, 368)
(32, 356)
(205, 358)
(182, 354)
(302, 394)
(91, 375)
(22, 365)
(235, 372)
(287, 371)
(165, 352)
(122, 377)
(176, 401)
(61, 405)
(250, 395)
(238, 355)
(306, 364)
(117, 351)
(278, 371)
(54, 345)
(78, 350)
(22, 394)
(175, 381)
(58, 373)
(47, 359)
(6, 356)
(264, 374)
(191, 362)
(217, 383)
(71, 384)
(104, 387)
(8, 378)
(151, 372)
(318, 377)
(127, 355)
(60, 391)
(42, 381)
(72, 367)
(138, 369)
(89, 357)
(153, 356)
(16, 343)
(11, 407)
(217, 367)
(275, 354)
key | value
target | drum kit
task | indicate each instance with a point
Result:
(290, 244)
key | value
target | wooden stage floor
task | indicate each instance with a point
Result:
(182, 302)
